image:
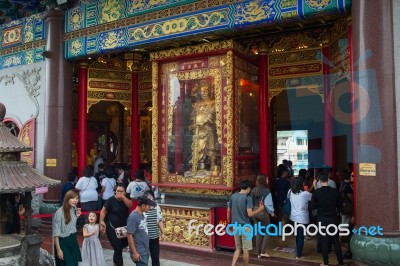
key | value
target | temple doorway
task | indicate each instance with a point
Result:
(297, 117)
(109, 109)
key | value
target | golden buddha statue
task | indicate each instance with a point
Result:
(91, 158)
(204, 143)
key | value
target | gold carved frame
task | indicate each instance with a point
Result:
(223, 102)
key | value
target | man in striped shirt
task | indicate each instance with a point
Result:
(155, 224)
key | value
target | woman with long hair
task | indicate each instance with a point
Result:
(261, 195)
(64, 231)
(299, 214)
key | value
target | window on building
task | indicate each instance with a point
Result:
(299, 156)
(301, 142)
(294, 148)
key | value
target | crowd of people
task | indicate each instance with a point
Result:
(314, 196)
(128, 215)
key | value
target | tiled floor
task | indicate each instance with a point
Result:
(108, 254)
(282, 253)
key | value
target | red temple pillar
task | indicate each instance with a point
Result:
(82, 117)
(135, 124)
(263, 110)
(57, 106)
(179, 129)
(328, 121)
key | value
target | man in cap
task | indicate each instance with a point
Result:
(138, 239)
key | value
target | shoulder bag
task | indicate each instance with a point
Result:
(121, 232)
(287, 205)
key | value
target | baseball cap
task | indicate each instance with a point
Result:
(145, 200)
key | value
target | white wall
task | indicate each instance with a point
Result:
(20, 106)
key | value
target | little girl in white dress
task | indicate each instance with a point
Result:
(92, 252)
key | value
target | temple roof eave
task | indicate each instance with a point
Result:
(10, 143)
(20, 177)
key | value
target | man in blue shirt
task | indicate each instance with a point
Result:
(138, 238)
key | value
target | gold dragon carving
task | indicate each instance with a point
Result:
(189, 50)
(110, 10)
(196, 191)
(155, 122)
(230, 142)
(177, 221)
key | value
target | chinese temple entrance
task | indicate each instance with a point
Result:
(298, 127)
(113, 111)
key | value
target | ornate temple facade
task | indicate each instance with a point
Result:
(197, 91)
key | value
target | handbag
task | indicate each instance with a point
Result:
(287, 206)
(121, 232)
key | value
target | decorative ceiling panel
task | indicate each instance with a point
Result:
(15, 9)
(144, 30)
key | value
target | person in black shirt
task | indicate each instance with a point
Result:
(115, 214)
(280, 191)
(99, 176)
(326, 200)
(68, 186)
